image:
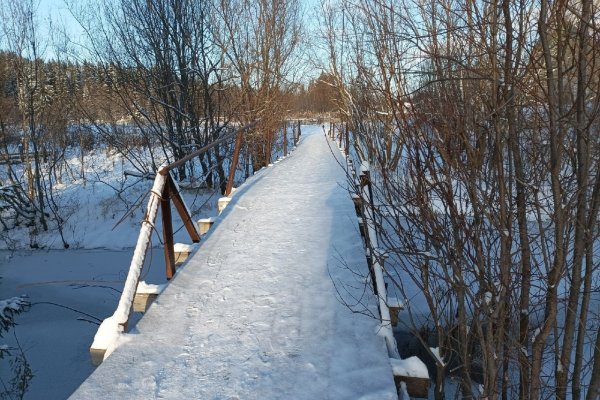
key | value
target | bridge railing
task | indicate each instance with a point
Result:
(415, 384)
(164, 190)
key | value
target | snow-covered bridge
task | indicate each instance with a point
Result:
(255, 313)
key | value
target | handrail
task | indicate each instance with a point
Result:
(204, 149)
(126, 301)
(365, 193)
(110, 329)
(379, 284)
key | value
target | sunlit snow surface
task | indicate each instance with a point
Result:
(255, 313)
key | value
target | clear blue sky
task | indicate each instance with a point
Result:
(58, 13)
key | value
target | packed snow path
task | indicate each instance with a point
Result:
(255, 314)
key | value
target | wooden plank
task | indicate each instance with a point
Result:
(142, 301)
(416, 387)
(222, 203)
(205, 224)
(180, 257)
(97, 356)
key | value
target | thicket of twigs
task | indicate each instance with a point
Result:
(480, 120)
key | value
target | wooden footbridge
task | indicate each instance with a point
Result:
(276, 301)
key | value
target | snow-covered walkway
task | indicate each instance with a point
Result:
(255, 314)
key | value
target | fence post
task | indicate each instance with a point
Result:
(234, 163)
(347, 141)
(165, 208)
(298, 135)
(285, 140)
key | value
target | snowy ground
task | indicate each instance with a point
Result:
(105, 209)
(255, 313)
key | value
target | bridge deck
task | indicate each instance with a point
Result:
(255, 313)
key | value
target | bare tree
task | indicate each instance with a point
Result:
(163, 66)
(260, 41)
(21, 37)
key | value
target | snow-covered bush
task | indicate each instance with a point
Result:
(19, 371)
(9, 308)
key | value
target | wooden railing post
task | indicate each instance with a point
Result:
(347, 141)
(297, 138)
(165, 208)
(234, 163)
(285, 140)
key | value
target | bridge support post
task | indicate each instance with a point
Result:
(347, 135)
(165, 207)
(234, 163)
(285, 139)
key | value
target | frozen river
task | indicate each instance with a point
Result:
(56, 339)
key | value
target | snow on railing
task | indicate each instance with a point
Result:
(125, 303)
(368, 220)
(112, 327)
